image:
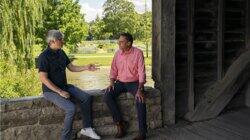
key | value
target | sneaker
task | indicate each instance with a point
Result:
(90, 133)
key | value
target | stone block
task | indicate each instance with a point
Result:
(34, 132)
(37, 119)
(41, 103)
(19, 118)
(51, 115)
(103, 121)
(2, 108)
(153, 101)
(98, 106)
(19, 105)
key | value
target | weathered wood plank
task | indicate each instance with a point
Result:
(168, 60)
(226, 134)
(231, 127)
(190, 134)
(223, 126)
(190, 58)
(244, 128)
(156, 42)
(210, 133)
(218, 95)
(164, 55)
(220, 56)
(247, 97)
(228, 126)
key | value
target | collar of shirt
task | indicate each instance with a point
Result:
(126, 52)
(53, 51)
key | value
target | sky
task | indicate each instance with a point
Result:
(93, 7)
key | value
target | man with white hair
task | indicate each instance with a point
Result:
(52, 65)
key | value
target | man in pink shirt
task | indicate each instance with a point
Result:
(127, 74)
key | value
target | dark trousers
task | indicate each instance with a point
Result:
(110, 99)
(69, 106)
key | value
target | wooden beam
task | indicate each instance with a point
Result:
(247, 96)
(190, 59)
(156, 42)
(164, 56)
(168, 60)
(219, 95)
(220, 39)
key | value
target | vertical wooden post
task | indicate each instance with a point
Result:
(220, 39)
(247, 39)
(156, 42)
(164, 55)
(168, 60)
(190, 59)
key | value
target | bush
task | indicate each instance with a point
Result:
(14, 84)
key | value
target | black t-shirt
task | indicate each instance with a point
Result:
(54, 63)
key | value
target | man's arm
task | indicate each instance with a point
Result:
(43, 76)
(113, 74)
(141, 70)
(142, 78)
(74, 68)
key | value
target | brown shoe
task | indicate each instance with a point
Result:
(140, 137)
(121, 129)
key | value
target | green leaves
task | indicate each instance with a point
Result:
(18, 20)
(64, 15)
(120, 16)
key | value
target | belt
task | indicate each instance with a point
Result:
(128, 82)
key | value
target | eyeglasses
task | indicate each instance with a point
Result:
(60, 39)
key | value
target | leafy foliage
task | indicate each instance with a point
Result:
(18, 20)
(65, 16)
(14, 84)
(120, 16)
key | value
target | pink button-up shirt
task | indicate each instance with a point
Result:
(128, 66)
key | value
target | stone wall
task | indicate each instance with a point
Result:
(34, 118)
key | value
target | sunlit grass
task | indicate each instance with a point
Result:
(103, 61)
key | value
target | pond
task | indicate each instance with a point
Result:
(99, 79)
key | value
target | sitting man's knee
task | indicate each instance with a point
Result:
(71, 109)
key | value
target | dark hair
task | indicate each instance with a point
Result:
(128, 36)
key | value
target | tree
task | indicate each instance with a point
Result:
(18, 20)
(119, 15)
(64, 15)
(97, 28)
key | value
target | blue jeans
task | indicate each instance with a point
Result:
(69, 106)
(110, 100)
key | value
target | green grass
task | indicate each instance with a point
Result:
(103, 61)
(95, 54)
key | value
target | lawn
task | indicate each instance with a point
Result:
(102, 60)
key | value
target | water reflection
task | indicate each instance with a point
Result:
(97, 80)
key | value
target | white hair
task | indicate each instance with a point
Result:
(54, 34)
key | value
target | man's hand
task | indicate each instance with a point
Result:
(110, 87)
(139, 96)
(92, 67)
(64, 94)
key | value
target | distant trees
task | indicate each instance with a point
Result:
(120, 16)
(64, 15)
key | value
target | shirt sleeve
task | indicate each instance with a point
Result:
(67, 58)
(113, 70)
(43, 65)
(141, 68)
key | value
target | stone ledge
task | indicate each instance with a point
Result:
(35, 114)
